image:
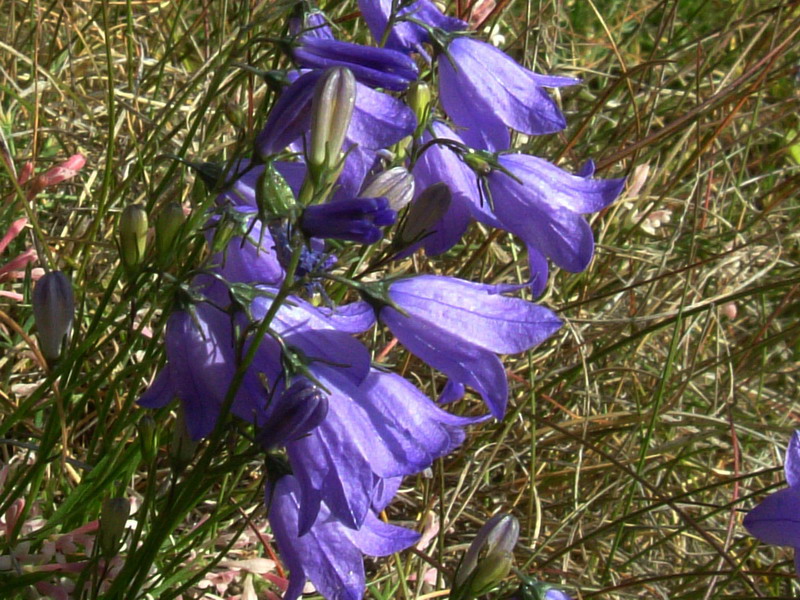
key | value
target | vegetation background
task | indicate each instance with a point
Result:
(636, 438)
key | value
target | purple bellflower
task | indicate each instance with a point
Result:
(459, 327)
(777, 519)
(404, 34)
(357, 220)
(484, 91)
(375, 67)
(200, 367)
(381, 429)
(544, 206)
(329, 554)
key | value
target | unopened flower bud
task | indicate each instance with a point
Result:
(396, 185)
(274, 196)
(331, 111)
(133, 236)
(148, 437)
(489, 572)
(53, 310)
(488, 559)
(356, 220)
(168, 226)
(425, 212)
(300, 409)
(113, 516)
(182, 447)
(419, 99)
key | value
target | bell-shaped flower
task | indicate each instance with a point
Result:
(774, 520)
(459, 327)
(329, 553)
(404, 33)
(375, 67)
(201, 363)
(381, 428)
(484, 91)
(544, 206)
(358, 220)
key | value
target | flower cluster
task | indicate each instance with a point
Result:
(264, 335)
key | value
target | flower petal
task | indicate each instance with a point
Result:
(777, 519)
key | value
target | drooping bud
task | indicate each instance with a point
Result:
(113, 516)
(357, 220)
(182, 447)
(168, 226)
(419, 99)
(53, 311)
(395, 184)
(428, 208)
(331, 111)
(300, 409)
(488, 559)
(148, 437)
(133, 236)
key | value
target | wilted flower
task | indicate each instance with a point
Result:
(53, 310)
(113, 516)
(422, 218)
(774, 520)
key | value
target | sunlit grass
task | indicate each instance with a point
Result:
(635, 438)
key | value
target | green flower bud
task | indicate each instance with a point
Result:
(53, 311)
(489, 572)
(148, 437)
(182, 447)
(331, 111)
(418, 97)
(274, 197)
(113, 516)
(396, 185)
(133, 236)
(168, 226)
(424, 213)
(488, 559)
